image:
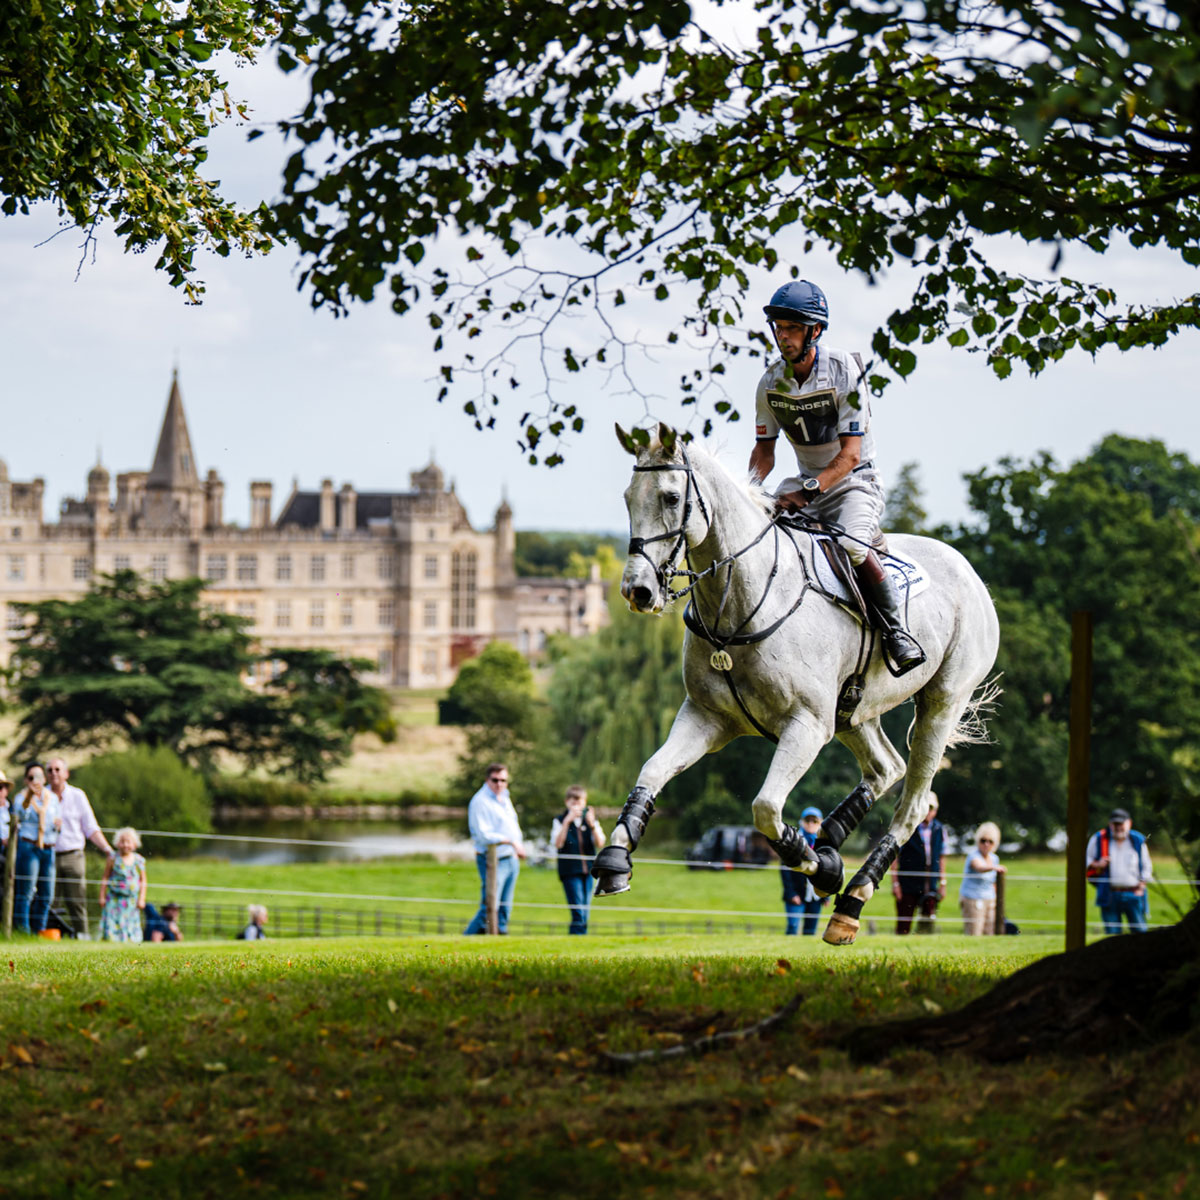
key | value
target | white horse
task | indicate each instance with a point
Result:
(768, 652)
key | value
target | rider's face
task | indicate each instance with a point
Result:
(790, 337)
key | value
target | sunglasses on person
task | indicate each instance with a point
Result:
(987, 841)
(497, 779)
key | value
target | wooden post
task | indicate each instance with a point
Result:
(10, 875)
(998, 922)
(1078, 769)
(492, 889)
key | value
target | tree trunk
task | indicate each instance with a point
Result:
(1132, 988)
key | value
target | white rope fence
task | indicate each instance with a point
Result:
(739, 920)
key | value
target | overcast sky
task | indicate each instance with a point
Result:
(276, 391)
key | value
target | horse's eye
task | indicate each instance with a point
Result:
(670, 499)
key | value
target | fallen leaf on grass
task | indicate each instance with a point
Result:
(807, 1120)
(392, 1005)
(215, 1067)
(911, 1157)
(669, 1036)
(141, 1052)
(143, 1164)
(782, 966)
(341, 1093)
(21, 1055)
(833, 1189)
(747, 1168)
(797, 1073)
(931, 1006)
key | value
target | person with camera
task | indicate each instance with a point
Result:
(919, 874)
(576, 836)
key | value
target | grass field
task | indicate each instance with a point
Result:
(447, 1068)
(664, 897)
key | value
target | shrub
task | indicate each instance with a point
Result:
(148, 788)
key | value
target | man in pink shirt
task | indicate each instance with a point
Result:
(79, 826)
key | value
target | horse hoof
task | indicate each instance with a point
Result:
(611, 884)
(841, 930)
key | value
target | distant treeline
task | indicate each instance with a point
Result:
(559, 554)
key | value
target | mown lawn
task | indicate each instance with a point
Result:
(446, 1067)
(737, 901)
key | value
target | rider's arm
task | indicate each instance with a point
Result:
(848, 457)
(762, 458)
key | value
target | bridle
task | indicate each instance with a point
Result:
(669, 567)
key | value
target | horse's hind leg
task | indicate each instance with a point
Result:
(694, 733)
(881, 767)
(935, 722)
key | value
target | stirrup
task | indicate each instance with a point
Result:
(904, 651)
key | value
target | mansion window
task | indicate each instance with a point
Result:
(247, 568)
(429, 662)
(283, 568)
(387, 613)
(316, 614)
(14, 619)
(247, 609)
(464, 589)
(283, 614)
(216, 568)
(16, 566)
(316, 568)
(81, 568)
(431, 616)
(347, 566)
(431, 566)
(347, 613)
(158, 567)
(385, 566)
(122, 562)
(385, 662)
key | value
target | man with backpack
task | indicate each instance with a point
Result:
(1118, 866)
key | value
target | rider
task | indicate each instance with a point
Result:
(806, 393)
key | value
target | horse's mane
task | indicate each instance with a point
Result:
(754, 492)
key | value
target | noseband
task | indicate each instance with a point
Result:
(668, 569)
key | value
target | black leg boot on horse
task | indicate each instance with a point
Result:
(835, 829)
(843, 925)
(613, 866)
(794, 852)
(900, 647)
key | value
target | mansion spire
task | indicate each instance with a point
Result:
(174, 493)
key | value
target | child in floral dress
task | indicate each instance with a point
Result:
(123, 890)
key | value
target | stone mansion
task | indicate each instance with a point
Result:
(400, 578)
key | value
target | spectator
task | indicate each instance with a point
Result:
(5, 819)
(79, 826)
(163, 926)
(576, 835)
(799, 898)
(977, 896)
(254, 931)
(123, 890)
(493, 822)
(919, 874)
(38, 822)
(1118, 864)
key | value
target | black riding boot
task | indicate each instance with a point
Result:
(901, 647)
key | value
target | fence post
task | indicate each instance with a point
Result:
(1078, 770)
(10, 875)
(492, 889)
(999, 921)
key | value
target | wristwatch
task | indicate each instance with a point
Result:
(811, 486)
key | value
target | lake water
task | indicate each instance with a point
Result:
(269, 843)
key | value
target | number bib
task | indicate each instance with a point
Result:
(808, 420)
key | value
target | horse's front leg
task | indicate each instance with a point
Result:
(694, 733)
(799, 744)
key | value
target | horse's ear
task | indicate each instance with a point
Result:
(627, 442)
(667, 436)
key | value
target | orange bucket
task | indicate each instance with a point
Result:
(51, 935)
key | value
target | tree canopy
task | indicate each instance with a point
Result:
(148, 663)
(592, 155)
(105, 109)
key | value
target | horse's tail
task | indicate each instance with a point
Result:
(972, 729)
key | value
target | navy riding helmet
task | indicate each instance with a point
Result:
(799, 301)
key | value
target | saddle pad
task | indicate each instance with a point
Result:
(907, 575)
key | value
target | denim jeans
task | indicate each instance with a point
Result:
(507, 870)
(34, 887)
(1127, 905)
(810, 910)
(579, 894)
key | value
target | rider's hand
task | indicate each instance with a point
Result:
(791, 501)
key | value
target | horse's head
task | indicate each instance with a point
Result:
(667, 514)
